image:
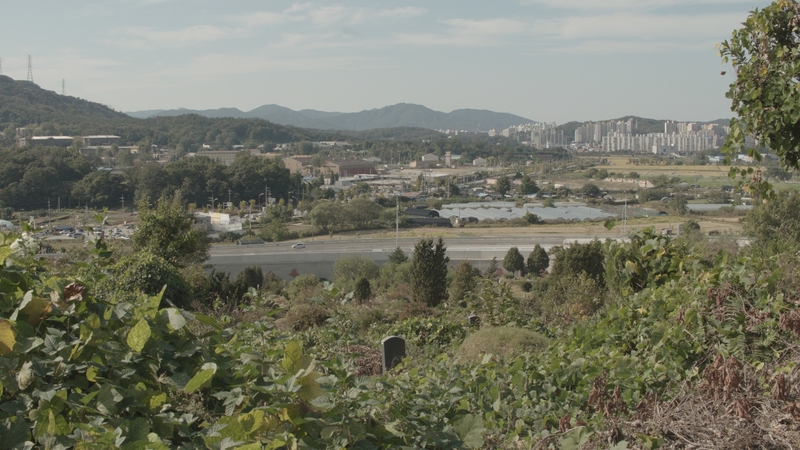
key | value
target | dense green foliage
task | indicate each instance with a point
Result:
(29, 177)
(82, 361)
(514, 261)
(764, 55)
(538, 260)
(429, 272)
(775, 225)
(580, 258)
(464, 281)
(168, 231)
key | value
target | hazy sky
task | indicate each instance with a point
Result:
(547, 60)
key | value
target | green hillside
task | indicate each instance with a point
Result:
(24, 104)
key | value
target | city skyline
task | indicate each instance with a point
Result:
(545, 60)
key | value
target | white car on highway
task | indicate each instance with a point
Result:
(299, 245)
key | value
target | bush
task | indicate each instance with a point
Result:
(355, 267)
(464, 281)
(526, 286)
(363, 291)
(580, 258)
(147, 273)
(272, 284)
(504, 342)
(303, 316)
(302, 288)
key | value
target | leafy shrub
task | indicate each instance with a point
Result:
(526, 286)
(649, 258)
(355, 267)
(147, 273)
(464, 281)
(393, 275)
(363, 291)
(302, 287)
(505, 342)
(430, 331)
(365, 317)
(272, 283)
(580, 258)
(563, 301)
(303, 316)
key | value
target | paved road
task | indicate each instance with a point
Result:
(318, 256)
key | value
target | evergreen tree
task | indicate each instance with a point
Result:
(429, 272)
(538, 261)
(514, 261)
(398, 256)
(503, 185)
(581, 258)
(363, 290)
(491, 271)
(463, 281)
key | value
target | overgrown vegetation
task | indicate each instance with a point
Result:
(581, 357)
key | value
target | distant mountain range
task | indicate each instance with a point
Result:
(399, 115)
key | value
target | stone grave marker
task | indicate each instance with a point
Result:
(393, 350)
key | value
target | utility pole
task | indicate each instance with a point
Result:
(48, 207)
(229, 196)
(122, 199)
(397, 224)
(625, 218)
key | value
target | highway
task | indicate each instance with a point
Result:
(318, 256)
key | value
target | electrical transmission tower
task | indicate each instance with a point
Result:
(30, 69)
(63, 87)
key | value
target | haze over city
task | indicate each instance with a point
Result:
(546, 60)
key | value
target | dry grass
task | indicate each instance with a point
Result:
(621, 164)
(504, 342)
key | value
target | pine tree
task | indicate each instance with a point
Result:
(463, 281)
(363, 290)
(538, 261)
(514, 261)
(397, 256)
(491, 271)
(429, 272)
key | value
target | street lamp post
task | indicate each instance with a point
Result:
(212, 201)
(259, 199)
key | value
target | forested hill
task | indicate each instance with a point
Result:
(23, 102)
(399, 115)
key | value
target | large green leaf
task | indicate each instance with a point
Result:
(5, 252)
(176, 320)
(107, 400)
(293, 358)
(139, 335)
(201, 378)
(470, 429)
(7, 337)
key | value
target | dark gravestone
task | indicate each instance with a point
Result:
(393, 350)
